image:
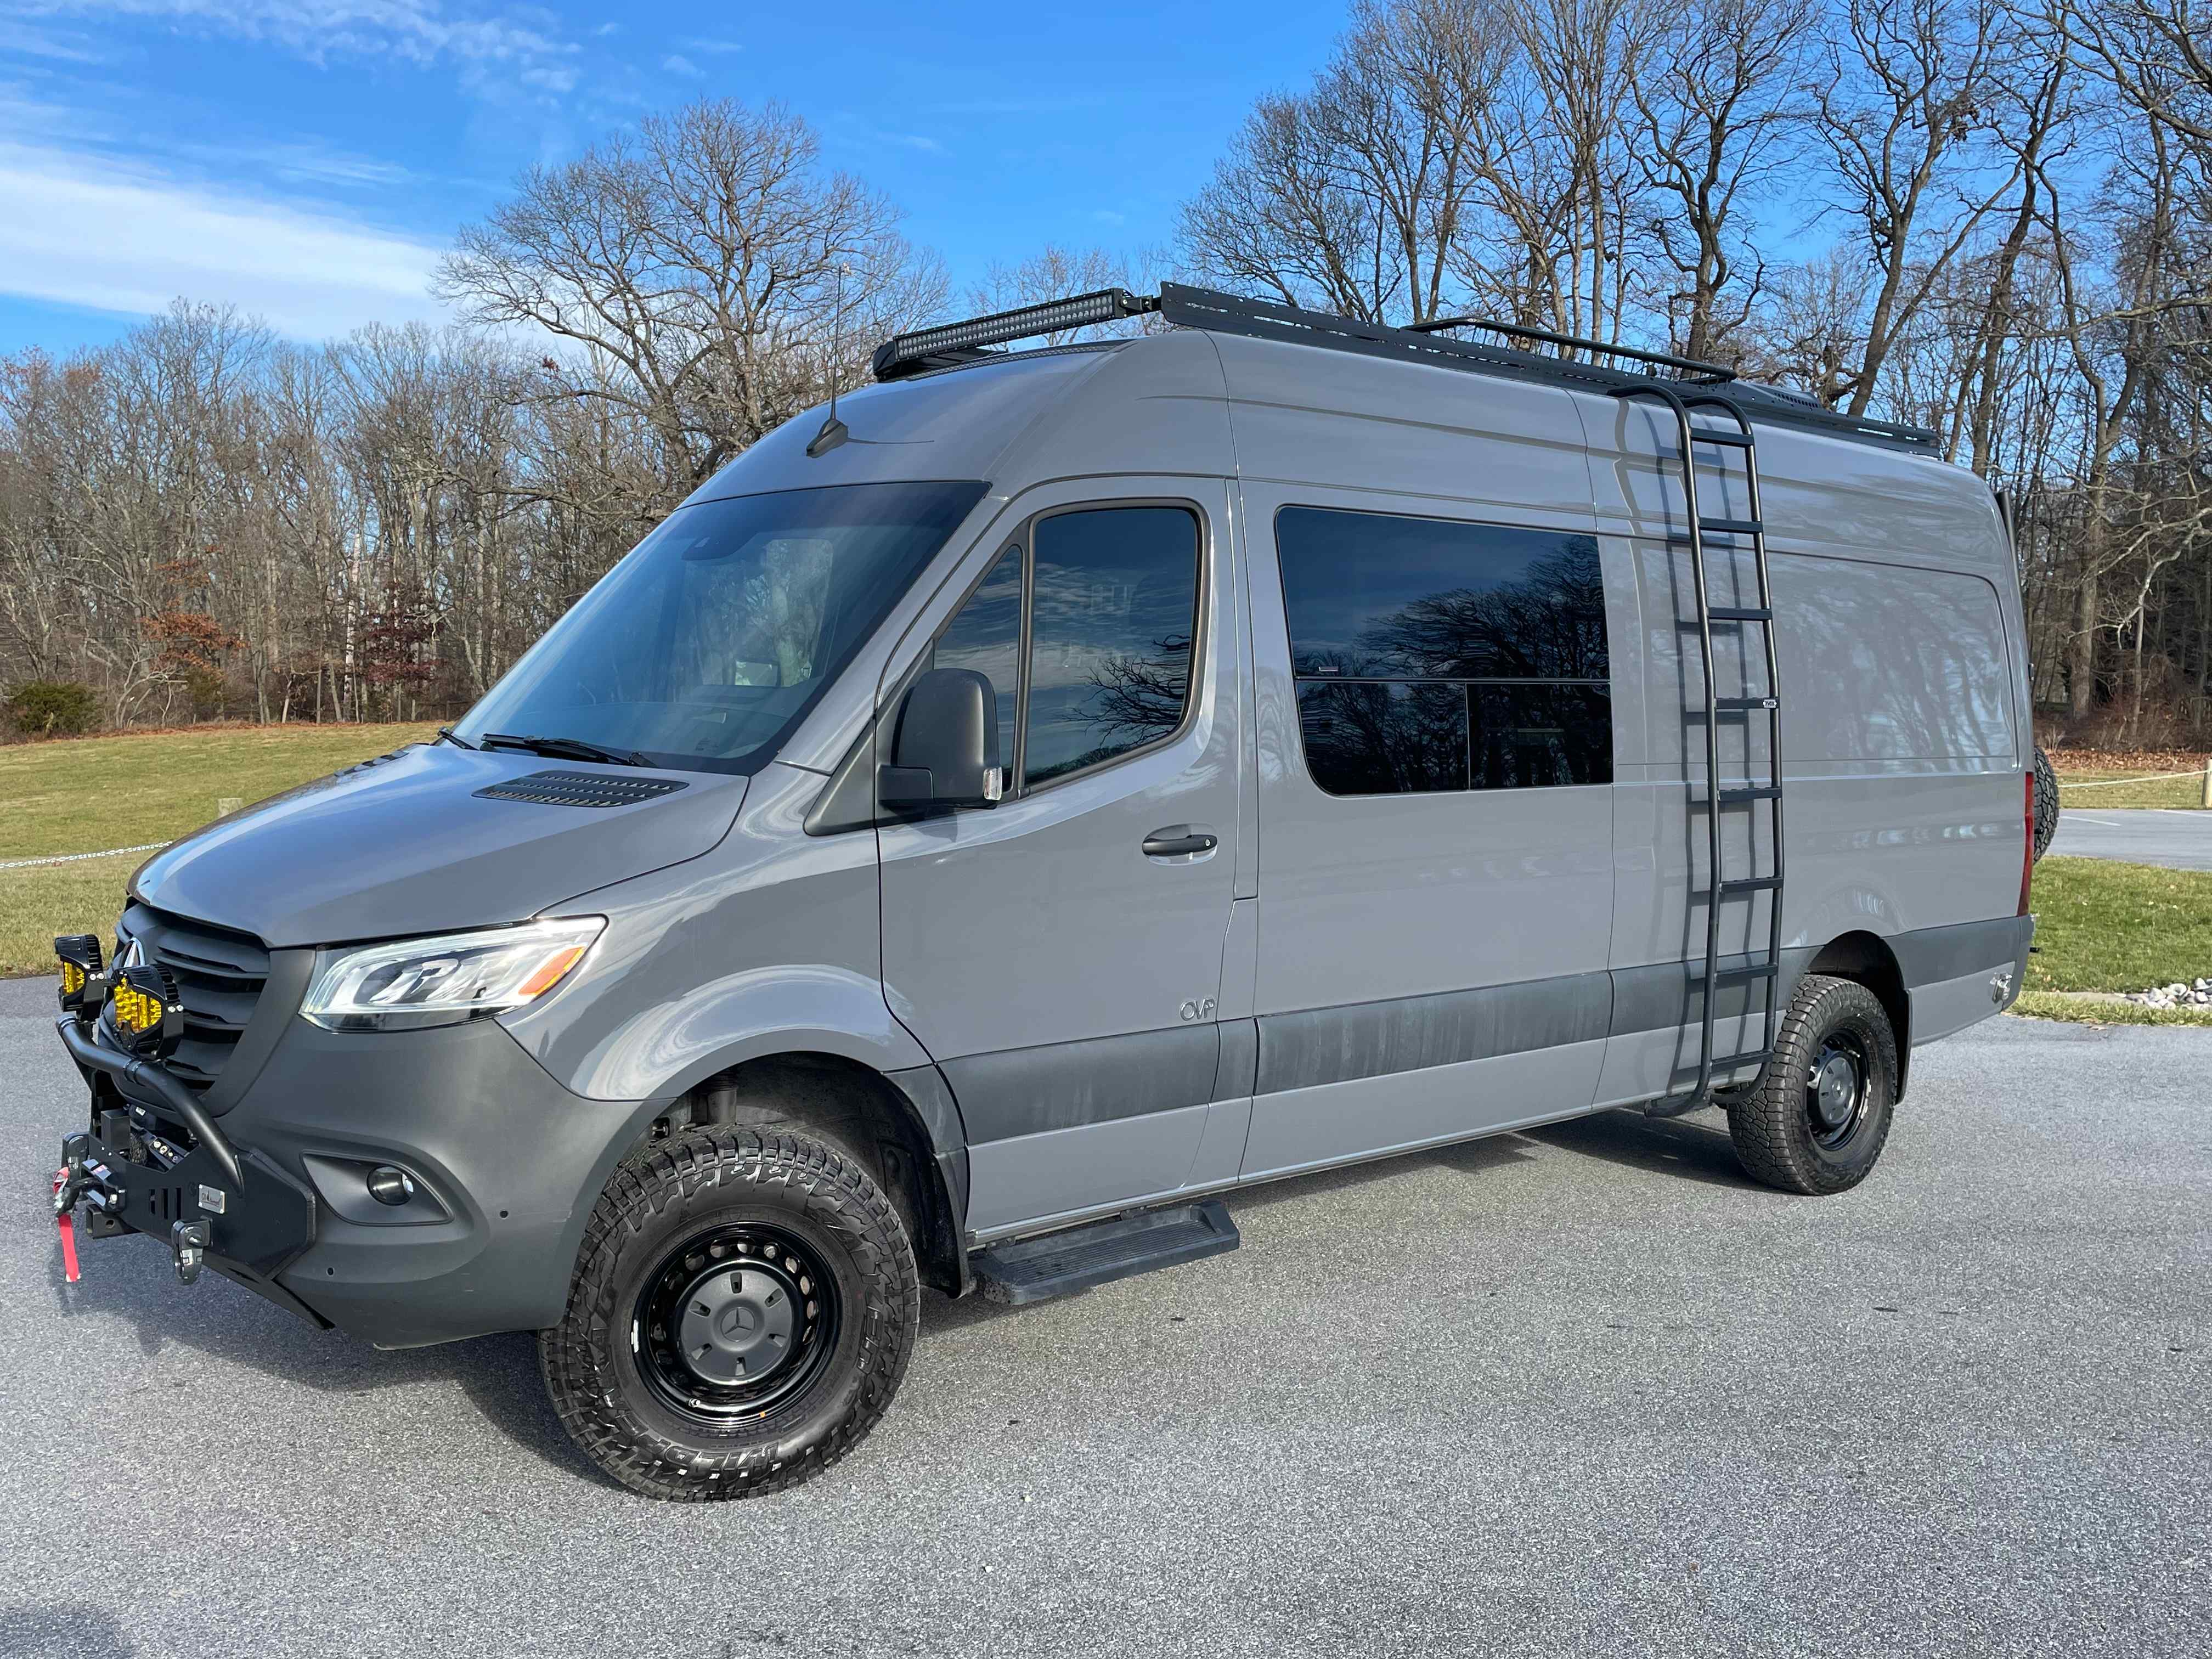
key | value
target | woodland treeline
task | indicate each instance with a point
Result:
(1989, 217)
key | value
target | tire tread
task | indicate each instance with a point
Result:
(1767, 1122)
(576, 1356)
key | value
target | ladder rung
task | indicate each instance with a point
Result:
(1740, 613)
(1751, 885)
(1734, 975)
(1738, 797)
(1727, 440)
(1744, 705)
(1730, 527)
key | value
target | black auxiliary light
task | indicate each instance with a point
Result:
(144, 1009)
(83, 988)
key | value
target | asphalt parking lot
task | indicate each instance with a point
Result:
(2179, 839)
(1579, 1391)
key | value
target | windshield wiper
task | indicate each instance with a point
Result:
(562, 749)
(446, 735)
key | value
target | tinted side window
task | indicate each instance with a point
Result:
(986, 637)
(1433, 654)
(1113, 614)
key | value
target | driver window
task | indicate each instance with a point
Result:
(986, 637)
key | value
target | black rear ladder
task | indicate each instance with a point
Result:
(1758, 965)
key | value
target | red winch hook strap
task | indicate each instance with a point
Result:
(66, 1221)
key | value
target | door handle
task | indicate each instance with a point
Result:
(1181, 841)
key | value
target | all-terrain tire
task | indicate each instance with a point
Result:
(2047, 800)
(1780, 1134)
(677, 1201)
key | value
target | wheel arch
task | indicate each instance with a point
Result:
(901, 1125)
(1868, 958)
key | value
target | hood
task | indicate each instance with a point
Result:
(407, 844)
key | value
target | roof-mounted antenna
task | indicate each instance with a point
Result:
(833, 431)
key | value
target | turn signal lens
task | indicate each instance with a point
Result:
(144, 1009)
(550, 975)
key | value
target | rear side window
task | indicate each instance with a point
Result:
(1086, 628)
(1432, 654)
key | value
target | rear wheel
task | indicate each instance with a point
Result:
(743, 1310)
(1816, 1120)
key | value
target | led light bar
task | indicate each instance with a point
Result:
(909, 354)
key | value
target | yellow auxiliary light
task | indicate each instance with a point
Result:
(144, 1009)
(82, 985)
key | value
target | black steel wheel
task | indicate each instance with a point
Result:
(743, 1310)
(1838, 1085)
(1819, 1115)
(735, 1321)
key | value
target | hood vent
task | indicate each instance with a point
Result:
(581, 789)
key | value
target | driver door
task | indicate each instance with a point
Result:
(1060, 955)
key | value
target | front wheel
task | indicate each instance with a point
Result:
(743, 1307)
(1816, 1120)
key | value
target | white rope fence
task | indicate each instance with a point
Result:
(78, 857)
(2114, 783)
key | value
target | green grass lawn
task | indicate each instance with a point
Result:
(2167, 792)
(87, 795)
(2103, 926)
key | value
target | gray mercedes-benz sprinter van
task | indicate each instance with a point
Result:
(981, 828)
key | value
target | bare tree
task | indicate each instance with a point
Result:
(693, 270)
(1715, 109)
(1355, 196)
(1902, 102)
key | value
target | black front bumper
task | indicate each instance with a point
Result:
(507, 1165)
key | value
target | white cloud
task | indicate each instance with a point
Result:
(675, 64)
(710, 45)
(514, 43)
(24, 40)
(84, 231)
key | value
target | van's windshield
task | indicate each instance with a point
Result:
(704, 647)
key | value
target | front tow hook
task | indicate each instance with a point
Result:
(190, 1240)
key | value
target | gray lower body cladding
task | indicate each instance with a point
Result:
(1026, 1092)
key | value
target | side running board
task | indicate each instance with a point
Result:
(1060, 1264)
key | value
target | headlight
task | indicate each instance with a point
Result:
(443, 981)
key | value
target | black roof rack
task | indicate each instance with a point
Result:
(1714, 372)
(952, 345)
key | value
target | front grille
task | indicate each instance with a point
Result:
(219, 976)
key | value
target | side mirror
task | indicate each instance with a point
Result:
(946, 749)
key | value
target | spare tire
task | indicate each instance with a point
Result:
(2046, 801)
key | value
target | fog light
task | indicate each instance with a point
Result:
(388, 1185)
(145, 1012)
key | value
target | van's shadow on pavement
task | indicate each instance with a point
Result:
(226, 1322)
(499, 1374)
(1695, 1146)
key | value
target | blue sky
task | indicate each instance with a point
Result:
(308, 160)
